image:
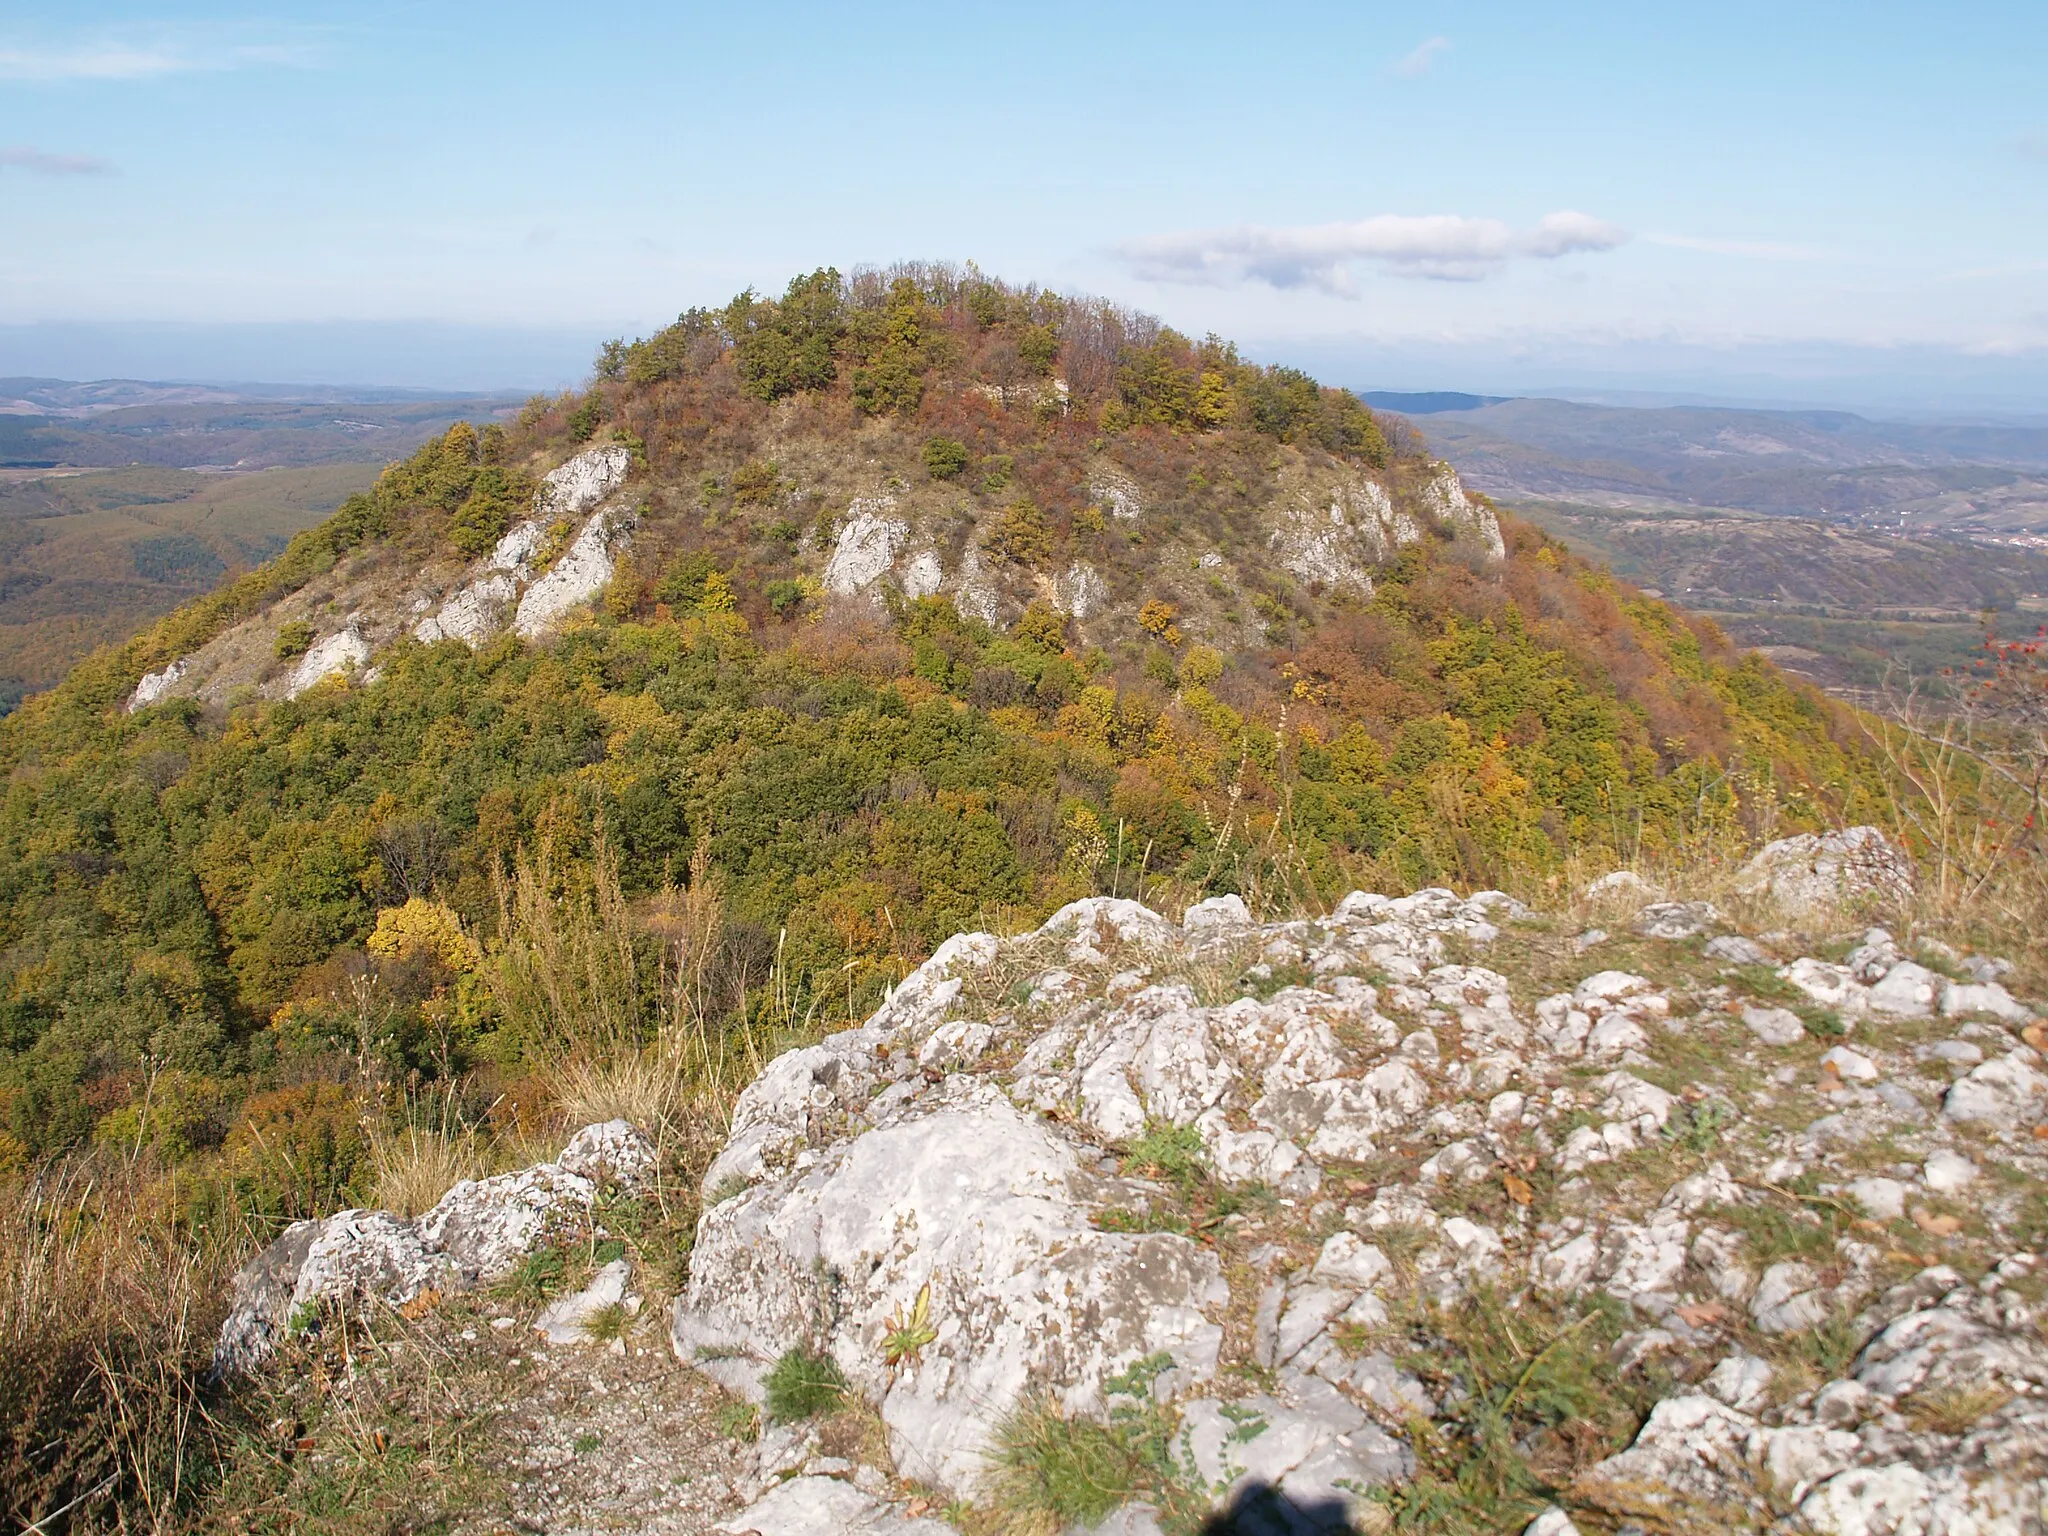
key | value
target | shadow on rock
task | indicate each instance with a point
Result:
(1260, 1509)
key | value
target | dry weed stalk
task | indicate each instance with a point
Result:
(1971, 780)
(107, 1315)
(638, 1013)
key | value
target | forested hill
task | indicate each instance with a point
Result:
(890, 607)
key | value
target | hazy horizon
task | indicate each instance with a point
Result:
(1836, 204)
(450, 359)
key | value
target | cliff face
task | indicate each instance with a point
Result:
(543, 569)
(873, 541)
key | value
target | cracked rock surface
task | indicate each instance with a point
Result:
(475, 1234)
(1406, 1105)
(1271, 1180)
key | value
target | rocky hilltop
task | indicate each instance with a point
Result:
(1427, 1203)
(1331, 530)
(596, 754)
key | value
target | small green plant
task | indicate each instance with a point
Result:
(1822, 1023)
(293, 639)
(944, 457)
(1530, 1392)
(607, 1323)
(1778, 1231)
(583, 421)
(1078, 1470)
(586, 1442)
(539, 1275)
(1269, 979)
(608, 1251)
(909, 1333)
(1697, 1127)
(1246, 1424)
(802, 1384)
(1168, 1151)
(739, 1420)
(1823, 1351)
(726, 1188)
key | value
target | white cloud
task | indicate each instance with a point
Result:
(1762, 250)
(93, 63)
(1444, 246)
(25, 157)
(126, 61)
(1418, 62)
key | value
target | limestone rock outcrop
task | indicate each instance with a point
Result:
(1818, 872)
(475, 1234)
(966, 1203)
(558, 558)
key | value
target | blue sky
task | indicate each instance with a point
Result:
(1809, 198)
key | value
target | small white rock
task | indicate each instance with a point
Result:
(1946, 1171)
(1881, 1199)
(1349, 1260)
(1851, 1066)
(1736, 950)
(1620, 882)
(1908, 991)
(1505, 1109)
(1217, 912)
(1774, 1026)
(1982, 997)
(1741, 1381)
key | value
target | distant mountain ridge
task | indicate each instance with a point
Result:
(74, 398)
(1427, 402)
(1845, 547)
(57, 423)
(1831, 464)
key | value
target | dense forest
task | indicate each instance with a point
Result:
(226, 926)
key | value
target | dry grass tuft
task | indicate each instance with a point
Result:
(107, 1318)
(649, 1087)
(1955, 1410)
(649, 1014)
(413, 1167)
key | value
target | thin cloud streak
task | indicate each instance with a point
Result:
(121, 61)
(26, 157)
(1418, 62)
(1762, 250)
(1446, 247)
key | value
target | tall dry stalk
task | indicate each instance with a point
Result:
(107, 1316)
(1970, 777)
(635, 1013)
(566, 974)
(414, 1164)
